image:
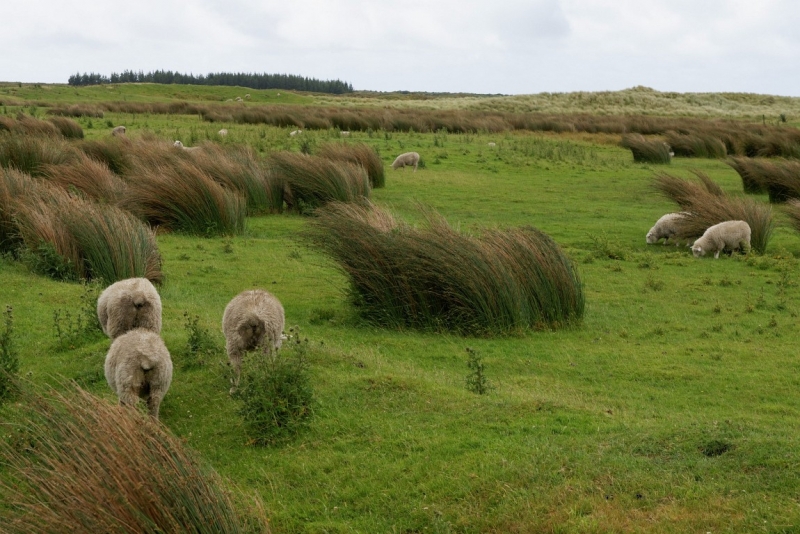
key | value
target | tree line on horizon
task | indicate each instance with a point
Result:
(241, 79)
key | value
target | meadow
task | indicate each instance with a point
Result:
(672, 406)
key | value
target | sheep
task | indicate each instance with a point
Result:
(252, 319)
(409, 158)
(729, 234)
(344, 134)
(665, 228)
(295, 132)
(492, 144)
(222, 133)
(178, 144)
(247, 95)
(138, 365)
(119, 130)
(128, 304)
(238, 98)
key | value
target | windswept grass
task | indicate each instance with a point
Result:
(793, 211)
(646, 150)
(780, 178)
(67, 127)
(707, 205)
(434, 277)
(76, 463)
(77, 110)
(312, 181)
(696, 145)
(29, 153)
(89, 176)
(360, 154)
(115, 152)
(14, 185)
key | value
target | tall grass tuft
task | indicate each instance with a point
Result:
(76, 463)
(13, 186)
(696, 145)
(312, 181)
(29, 153)
(360, 154)
(780, 177)
(77, 110)
(68, 127)
(434, 277)
(706, 205)
(646, 150)
(114, 152)
(91, 177)
(793, 211)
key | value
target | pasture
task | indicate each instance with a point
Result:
(671, 407)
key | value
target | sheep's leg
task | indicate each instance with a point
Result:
(716, 255)
(128, 397)
(153, 404)
(235, 358)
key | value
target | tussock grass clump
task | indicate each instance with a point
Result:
(793, 210)
(76, 463)
(646, 150)
(77, 110)
(114, 152)
(312, 181)
(435, 277)
(14, 185)
(780, 178)
(67, 127)
(360, 154)
(707, 205)
(27, 125)
(89, 176)
(28, 153)
(696, 145)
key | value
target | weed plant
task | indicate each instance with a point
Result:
(706, 205)
(360, 154)
(200, 344)
(437, 278)
(275, 392)
(76, 463)
(9, 356)
(71, 330)
(646, 150)
(476, 381)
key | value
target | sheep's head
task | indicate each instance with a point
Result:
(252, 331)
(177, 144)
(698, 251)
(651, 237)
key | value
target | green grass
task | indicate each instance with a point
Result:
(670, 408)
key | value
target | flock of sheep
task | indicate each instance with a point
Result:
(727, 235)
(138, 364)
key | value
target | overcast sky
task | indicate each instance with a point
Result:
(487, 46)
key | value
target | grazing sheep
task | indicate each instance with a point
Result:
(344, 134)
(253, 319)
(137, 366)
(729, 234)
(178, 144)
(119, 130)
(407, 159)
(238, 98)
(247, 95)
(665, 228)
(492, 144)
(295, 132)
(128, 304)
(222, 133)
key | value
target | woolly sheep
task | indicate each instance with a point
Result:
(295, 132)
(119, 130)
(729, 234)
(178, 144)
(253, 319)
(238, 98)
(407, 159)
(128, 304)
(344, 134)
(492, 144)
(222, 133)
(138, 365)
(666, 228)
(247, 95)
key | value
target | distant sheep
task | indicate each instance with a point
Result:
(731, 235)
(253, 319)
(247, 95)
(178, 144)
(295, 132)
(222, 133)
(492, 144)
(119, 130)
(665, 228)
(128, 304)
(407, 159)
(138, 365)
(238, 98)
(344, 134)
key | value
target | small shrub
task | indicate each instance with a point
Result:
(476, 380)
(275, 393)
(199, 342)
(604, 249)
(9, 356)
(71, 330)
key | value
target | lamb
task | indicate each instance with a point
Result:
(128, 304)
(409, 158)
(253, 319)
(222, 133)
(729, 234)
(119, 130)
(138, 365)
(666, 227)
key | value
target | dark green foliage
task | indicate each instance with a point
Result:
(200, 345)
(9, 356)
(437, 278)
(275, 392)
(476, 380)
(71, 330)
(77, 463)
(707, 205)
(646, 150)
(360, 154)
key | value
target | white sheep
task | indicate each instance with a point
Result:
(119, 130)
(138, 365)
(178, 144)
(666, 227)
(295, 132)
(238, 98)
(732, 235)
(253, 319)
(344, 133)
(407, 159)
(222, 133)
(247, 95)
(492, 144)
(128, 304)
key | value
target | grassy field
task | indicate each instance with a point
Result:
(673, 407)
